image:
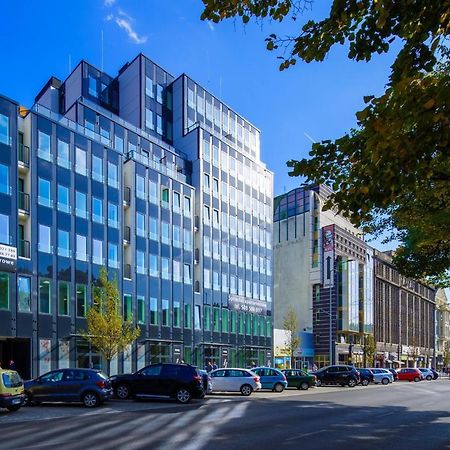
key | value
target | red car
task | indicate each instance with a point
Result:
(409, 375)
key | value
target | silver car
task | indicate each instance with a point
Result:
(382, 376)
(427, 373)
(235, 380)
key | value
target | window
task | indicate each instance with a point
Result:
(159, 128)
(197, 317)
(187, 206)
(206, 216)
(45, 295)
(4, 130)
(165, 268)
(216, 249)
(97, 251)
(159, 93)
(63, 199)
(80, 204)
(153, 229)
(176, 270)
(216, 282)
(4, 180)
(248, 324)
(140, 187)
(4, 290)
(241, 323)
(187, 316)
(44, 150)
(113, 220)
(140, 307)
(92, 86)
(224, 321)
(81, 300)
(216, 187)
(81, 253)
(113, 175)
(140, 224)
(44, 192)
(206, 151)
(4, 229)
(176, 314)
(224, 282)
(97, 210)
(153, 311)
(206, 185)
(206, 246)
(63, 243)
(153, 262)
(165, 233)
(113, 255)
(44, 239)
(149, 123)
(216, 319)
(97, 168)
(24, 293)
(165, 197)
(165, 312)
(207, 318)
(127, 307)
(153, 192)
(149, 87)
(118, 143)
(80, 161)
(176, 238)
(187, 274)
(140, 262)
(187, 239)
(233, 322)
(63, 154)
(63, 298)
(176, 202)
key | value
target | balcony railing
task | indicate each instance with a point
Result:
(127, 234)
(24, 249)
(24, 202)
(24, 155)
(127, 271)
(127, 195)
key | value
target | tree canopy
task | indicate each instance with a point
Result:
(392, 172)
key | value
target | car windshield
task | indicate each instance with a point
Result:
(11, 379)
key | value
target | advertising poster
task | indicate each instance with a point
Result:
(64, 351)
(127, 359)
(45, 351)
(140, 356)
(328, 256)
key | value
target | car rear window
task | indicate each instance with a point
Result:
(11, 379)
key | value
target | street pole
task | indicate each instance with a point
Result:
(330, 325)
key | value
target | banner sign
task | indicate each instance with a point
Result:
(328, 256)
(8, 258)
(248, 305)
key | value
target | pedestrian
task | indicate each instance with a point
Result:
(12, 365)
(253, 364)
(209, 367)
(214, 366)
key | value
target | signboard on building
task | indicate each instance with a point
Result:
(8, 258)
(328, 256)
(248, 305)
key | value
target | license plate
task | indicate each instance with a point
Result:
(16, 401)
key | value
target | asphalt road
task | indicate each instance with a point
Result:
(401, 416)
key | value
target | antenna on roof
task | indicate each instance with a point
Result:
(220, 88)
(102, 51)
(70, 64)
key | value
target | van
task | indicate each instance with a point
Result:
(11, 390)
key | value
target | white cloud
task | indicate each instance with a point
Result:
(109, 17)
(210, 25)
(109, 2)
(127, 27)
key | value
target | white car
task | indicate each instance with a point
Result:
(382, 376)
(235, 380)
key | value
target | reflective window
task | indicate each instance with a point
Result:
(97, 210)
(113, 219)
(81, 204)
(140, 262)
(44, 150)
(97, 168)
(97, 252)
(80, 161)
(63, 154)
(44, 192)
(113, 175)
(153, 311)
(140, 187)
(165, 312)
(4, 130)
(24, 294)
(113, 255)
(63, 298)
(81, 247)
(63, 243)
(81, 300)
(45, 295)
(63, 199)
(44, 239)
(4, 180)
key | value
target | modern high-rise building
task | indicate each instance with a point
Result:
(155, 179)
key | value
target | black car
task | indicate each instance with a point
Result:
(179, 381)
(339, 374)
(365, 376)
(88, 386)
(394, 374)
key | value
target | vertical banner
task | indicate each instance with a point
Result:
(64, 351)
(328, 256)
(140, 356)
(45, 349)
(127, 359)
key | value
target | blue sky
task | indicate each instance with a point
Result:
(41, 38)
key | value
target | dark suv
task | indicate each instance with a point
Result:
(343, 375)
(179, 381)
(88, 386)
(365, 377)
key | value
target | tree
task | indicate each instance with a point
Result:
(290, 325)
(369, 350)
(107, 330)
(391, 174)
(446, 355)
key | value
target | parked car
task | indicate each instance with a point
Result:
(299, 379)
(88, 386)
(435, 374)
(409, 374)
(181, 382)
(207, 386)
(270, 378)
(427, 373)
(394, 374)
(11, 390)
(382, 376)
(339, 374)
(365, 376)
(235, 380)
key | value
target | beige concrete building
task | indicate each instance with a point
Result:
(442, 330)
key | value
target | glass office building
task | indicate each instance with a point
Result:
(155, 179)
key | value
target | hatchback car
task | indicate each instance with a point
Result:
(272, 379)
(235, 380)
(365, 376)
(394, 374)
(11, 390)
(339, 374)
(299, 379)
(382, 376)
(409, 374)
(427, 373)
(88, 386)
(181, 382)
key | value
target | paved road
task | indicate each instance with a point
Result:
(402, 415)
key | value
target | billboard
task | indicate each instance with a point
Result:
(249, 305)
(8, 258)
(328, 256)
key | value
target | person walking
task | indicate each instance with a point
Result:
(214, 366)
(209, 367)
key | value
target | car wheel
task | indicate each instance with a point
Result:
(304, 386)
(123, 391)
(246, 390)
(385, 381)
(318, 383)
(27, 399)
(416, 379)
(365, 382)
(352, 382)
(90, 399)
(278, 388)
(183, 395)
(429, 377)
(13, 408)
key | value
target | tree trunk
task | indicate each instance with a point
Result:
(108, 367)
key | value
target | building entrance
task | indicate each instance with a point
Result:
(19, 351)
